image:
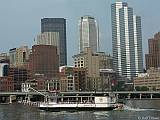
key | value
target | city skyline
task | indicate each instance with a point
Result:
(26, 21)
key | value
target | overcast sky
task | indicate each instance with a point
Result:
(20, 20)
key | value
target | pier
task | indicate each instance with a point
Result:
(9, 97)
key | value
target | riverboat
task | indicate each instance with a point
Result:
(86, 103)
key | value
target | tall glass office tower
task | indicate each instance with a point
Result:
(57, 25)
(126, 41)
(89, 33)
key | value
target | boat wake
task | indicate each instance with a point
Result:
(128, 108)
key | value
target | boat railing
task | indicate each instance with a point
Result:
(76, 102)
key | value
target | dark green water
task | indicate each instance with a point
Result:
(145, 110)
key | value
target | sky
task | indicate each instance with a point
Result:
(20, 21)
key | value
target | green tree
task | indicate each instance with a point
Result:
(138, 88)
(144, 88)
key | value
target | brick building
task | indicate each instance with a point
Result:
(44, 60)
(153, 57)
(6, 84)
(18, 76)
(72, 79)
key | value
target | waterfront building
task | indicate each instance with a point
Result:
(72, 79)
(57, 25)
(44, 60)
(41, 83)
(92, 62)
(108, 79)
(6, 84)
(89, 33)
(151, 79)
(126, 41)
(52, 85)
(19, 56)
(18, 76)
(153, 57)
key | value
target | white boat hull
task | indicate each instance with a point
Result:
(74, 106)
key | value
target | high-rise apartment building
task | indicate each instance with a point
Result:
(138, 44)
(126, 41)
(57, 25)
(153, 58)
(89, 34)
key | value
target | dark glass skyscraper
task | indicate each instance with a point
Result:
(57, 25)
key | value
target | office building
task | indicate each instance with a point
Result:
(153, 57)
(19, 56)
(93, 62)
(44, 60)
(126, 41)
(49, 38)
(57, 25)
(89, 33)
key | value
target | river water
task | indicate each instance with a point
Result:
(134, 110)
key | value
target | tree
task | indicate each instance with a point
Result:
(144, 88)
(138, 88)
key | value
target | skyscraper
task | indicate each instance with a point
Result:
(153, 57)
(126, 41)
(49, 38)
(138, 44)
(89, 33)
(57, 25)
(44, 60)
